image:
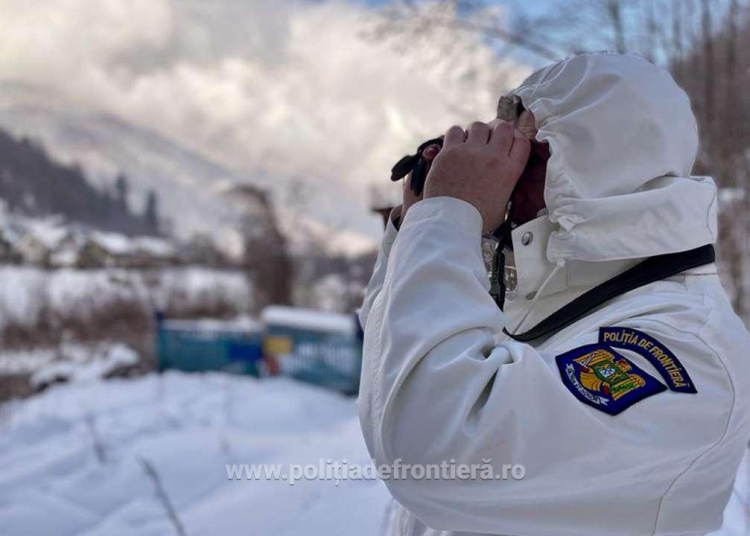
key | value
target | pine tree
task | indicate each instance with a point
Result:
(121, 190)
(151, 212)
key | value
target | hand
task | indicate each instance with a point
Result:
(481, 169)
(409, 198)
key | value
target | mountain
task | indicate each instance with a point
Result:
(32, 184)
(191, 188)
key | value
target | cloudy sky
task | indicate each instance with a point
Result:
(287, 88)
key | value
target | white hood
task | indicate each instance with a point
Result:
(623, 140)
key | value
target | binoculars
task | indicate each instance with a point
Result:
(416, 165)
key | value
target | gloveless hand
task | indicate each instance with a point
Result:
(480, 166)
(409, 198)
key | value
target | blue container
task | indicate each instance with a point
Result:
(203, 345)
(313, 346)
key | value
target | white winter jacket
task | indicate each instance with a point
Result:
(632, 420)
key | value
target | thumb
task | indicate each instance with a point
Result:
(520, 150)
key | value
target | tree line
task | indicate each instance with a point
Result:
(33, 184)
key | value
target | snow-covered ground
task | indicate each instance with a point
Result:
(73, 460)
(72, 361)
(187, 427)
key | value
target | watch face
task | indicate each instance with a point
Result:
(510, 280)
(489, 250)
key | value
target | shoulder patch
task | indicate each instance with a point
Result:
(600, 377)
(661, 357)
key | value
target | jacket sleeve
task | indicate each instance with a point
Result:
(378, 274)
(437, 387)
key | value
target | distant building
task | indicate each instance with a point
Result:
(112, 249)
(68, 251)
(32, 250)
(93, 255)
(51, 243)
(39, 239)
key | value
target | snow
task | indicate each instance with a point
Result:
(308, 319)
(73, 460)
(188, 427)
(156, 247)
(68, 357)
(105, 146)
(243, 324)
(27, 291)
(23, 361)
(65, 258)
(731, 195)
(49, 231)
(114, 357)
(119, 244)
(115, 243)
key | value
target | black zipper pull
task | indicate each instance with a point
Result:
(497, 285)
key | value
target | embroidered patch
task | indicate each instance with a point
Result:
(600, 377)
(661, 357)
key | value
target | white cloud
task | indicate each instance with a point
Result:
(278, 86)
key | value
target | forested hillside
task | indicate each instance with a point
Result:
(34, 185)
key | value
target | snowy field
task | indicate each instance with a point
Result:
(188, 427)
(73, 460)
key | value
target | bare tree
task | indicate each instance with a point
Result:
(614, 12)
(266, 257)
(419, 20)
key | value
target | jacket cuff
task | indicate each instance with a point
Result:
(460, 214)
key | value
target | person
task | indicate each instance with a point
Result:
(627, 418)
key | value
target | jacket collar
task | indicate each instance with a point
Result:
(533, 267)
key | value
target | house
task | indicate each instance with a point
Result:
(33, 250)
(39, 239)
(93, 255)
(54, 243)
(149, 252)
(117, 250)
(67, 251)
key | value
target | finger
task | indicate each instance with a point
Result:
(478, 133)
(527, 124)
(502, 137)
(454, 136)
(520, 150)
(407, 181)
(408, 195)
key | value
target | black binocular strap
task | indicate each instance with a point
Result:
(650, 270)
